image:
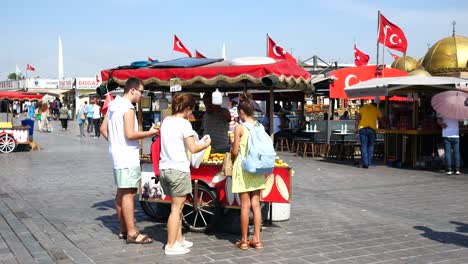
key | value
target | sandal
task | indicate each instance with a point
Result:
(123, 235)
(242, 244)
(256, 245)
(144, 240)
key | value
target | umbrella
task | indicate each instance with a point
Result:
(451, 104)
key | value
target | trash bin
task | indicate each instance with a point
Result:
(30, 123)
(280, 211)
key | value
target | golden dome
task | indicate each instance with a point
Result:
(405, 63)
(448, 55)
(419, 72)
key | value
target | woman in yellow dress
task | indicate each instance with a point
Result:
(248, 185)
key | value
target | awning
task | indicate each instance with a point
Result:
(283, 75)
(19, 96)
(404, 85)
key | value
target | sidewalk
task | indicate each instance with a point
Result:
(56, 206)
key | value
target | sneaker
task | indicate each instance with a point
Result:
(449, 173)
(457, 173)
(185, 243)
(176, 250)
(365, 166)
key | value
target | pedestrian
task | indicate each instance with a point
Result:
(63, 116)
(89, 114)
(81, 119)
(248, 185)
(177, 137)
(45, 126)
(366, 126)
(451, 139)
(96, 119)
(120, 128)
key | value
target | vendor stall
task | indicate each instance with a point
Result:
(211, 189)
(411, 134)
(12, 136)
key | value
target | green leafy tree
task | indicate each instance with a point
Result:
(14, 76)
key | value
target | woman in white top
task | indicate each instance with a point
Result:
(177, 137)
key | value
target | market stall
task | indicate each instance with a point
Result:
(411, 135)
(211, 190)
(12, 136)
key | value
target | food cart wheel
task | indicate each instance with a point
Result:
(7, 143)
(155, 210)
(204, 215)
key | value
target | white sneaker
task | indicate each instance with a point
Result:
(185, 243)
(175, 250)
(457, 173)
(449, 173)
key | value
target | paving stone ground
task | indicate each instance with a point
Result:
(56, 206)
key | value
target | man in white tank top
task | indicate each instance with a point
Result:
(120, 128)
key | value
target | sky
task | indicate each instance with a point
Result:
(98, 35)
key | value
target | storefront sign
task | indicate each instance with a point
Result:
(65, 84)
(87, 83)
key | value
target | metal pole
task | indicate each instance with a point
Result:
(378, 28)
(270, 114)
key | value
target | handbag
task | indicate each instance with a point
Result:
(83, 116)
(227, 165)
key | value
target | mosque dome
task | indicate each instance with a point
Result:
(405, 63)
(419, 72)
(449, 55)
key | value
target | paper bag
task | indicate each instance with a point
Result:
(227, 165)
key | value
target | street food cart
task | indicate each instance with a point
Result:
(12, 136)
(211, 189)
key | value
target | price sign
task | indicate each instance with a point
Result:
(175, 88)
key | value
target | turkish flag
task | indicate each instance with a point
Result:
(360, 58)
(395, 57)
(199, 55)
(178, 46)
(347, 77)
(150, 59)
(109, 98)
(391, 35)
(278, 53)
(30, 68)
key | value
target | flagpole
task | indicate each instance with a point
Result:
(266, 51)
(378, 30)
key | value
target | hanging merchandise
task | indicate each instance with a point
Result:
(217, 97)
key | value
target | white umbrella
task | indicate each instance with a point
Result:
(451, 104)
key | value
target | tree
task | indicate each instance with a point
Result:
(14, 76)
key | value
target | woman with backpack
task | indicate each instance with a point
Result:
(248, 185)
(177, 137)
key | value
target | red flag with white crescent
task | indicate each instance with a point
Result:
(391, 36)
(109, 98)
(199, 55)
(278, 53)
(179, 46)
(150, 59)
(30, 68)
(360, 58)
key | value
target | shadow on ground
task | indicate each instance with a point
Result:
(447, 237)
